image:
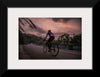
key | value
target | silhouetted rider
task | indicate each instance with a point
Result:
(51, 38)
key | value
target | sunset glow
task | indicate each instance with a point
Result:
(58, 26)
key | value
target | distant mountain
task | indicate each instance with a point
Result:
(28, 38)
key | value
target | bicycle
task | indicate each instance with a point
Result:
(54, 48)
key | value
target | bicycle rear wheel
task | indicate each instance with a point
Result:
(54, 50)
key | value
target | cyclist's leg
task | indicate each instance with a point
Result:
(50, 40)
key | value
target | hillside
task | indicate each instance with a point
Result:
(28, 38)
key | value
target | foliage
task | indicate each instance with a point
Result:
(76, 40)
(40, 42)
(66, 40)
(28, 38)
(22, 39)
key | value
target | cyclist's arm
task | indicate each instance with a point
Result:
(46, 35)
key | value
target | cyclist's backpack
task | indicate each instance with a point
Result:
(51, 34)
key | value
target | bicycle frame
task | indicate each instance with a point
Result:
(54, 49)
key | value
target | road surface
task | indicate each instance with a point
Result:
(32, 51)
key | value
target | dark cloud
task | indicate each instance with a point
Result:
(40, 30)
(76, 21)
(65, 19)
(61, 19)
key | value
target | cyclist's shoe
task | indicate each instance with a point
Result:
(49, 50)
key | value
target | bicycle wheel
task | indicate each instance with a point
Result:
(44, 48)
(54, 50)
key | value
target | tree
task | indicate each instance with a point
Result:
(22, 39)
(64, 39)
(76, 40)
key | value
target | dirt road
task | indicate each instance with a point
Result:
(32, 51)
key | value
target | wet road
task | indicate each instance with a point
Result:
(32, 51)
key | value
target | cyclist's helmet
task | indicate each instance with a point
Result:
(49, 30)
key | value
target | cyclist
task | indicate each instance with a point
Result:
(51, 38)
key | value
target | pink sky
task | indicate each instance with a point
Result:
(58, 26)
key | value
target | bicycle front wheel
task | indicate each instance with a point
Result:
(44, 48)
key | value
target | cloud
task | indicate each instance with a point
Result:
(75, 22)
(40, 30)
(58, 26)
(61, 19)
(65, 20)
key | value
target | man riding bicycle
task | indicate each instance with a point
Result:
(51, 38)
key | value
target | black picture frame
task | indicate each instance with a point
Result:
(4, 4)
